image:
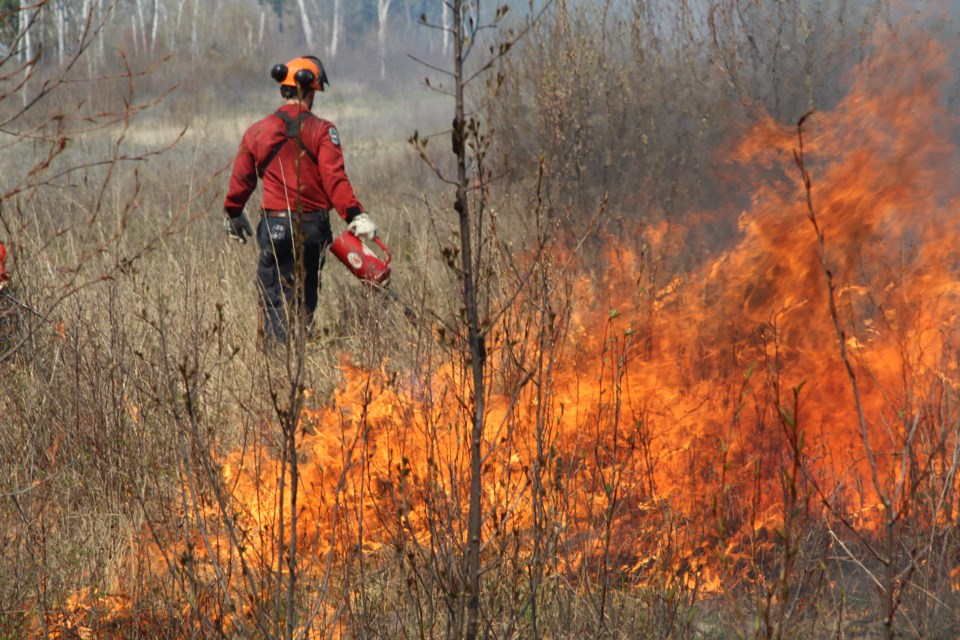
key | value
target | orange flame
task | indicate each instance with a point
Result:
(684, 407)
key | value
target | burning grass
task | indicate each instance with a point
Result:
(686, 455)
(702, 441)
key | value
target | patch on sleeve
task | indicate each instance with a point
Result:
(334, 136)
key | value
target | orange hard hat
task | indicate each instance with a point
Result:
(305, 72)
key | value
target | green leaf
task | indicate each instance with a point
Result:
(789, 419)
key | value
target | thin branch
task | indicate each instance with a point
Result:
(835, 316)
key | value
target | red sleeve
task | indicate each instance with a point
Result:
(333, 174)
(243, 180)
(4, 276)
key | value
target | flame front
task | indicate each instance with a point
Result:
(677, 428)
(696, 398)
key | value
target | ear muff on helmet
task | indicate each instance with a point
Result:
(305, 78)
(305, 72)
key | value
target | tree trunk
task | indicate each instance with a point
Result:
(61, 25)
(173, 30)
(155, 27)
(86, 14)
(476, 340)
(28, 15)
(139, 28)
(335, 30)
(263, 28)
(194, 40)
(305, 21)
(383, 7)
(446, 29)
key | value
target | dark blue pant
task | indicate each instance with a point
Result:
(284, 295)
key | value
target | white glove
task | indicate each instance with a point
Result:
(363, 226)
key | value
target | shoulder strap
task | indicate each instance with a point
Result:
(293, 133)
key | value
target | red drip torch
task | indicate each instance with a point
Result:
(367, 266)
(360, 259)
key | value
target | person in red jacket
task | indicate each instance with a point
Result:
(4, 276)
(298, 159)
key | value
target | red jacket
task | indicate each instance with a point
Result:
(4, 276)
(320, 187)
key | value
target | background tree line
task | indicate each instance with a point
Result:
(47, 32)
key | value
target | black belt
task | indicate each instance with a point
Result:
(306, 216)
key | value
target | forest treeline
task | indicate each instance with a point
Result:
(51, 31)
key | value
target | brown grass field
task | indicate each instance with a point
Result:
(717, 272)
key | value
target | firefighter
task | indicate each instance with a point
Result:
(11, 320)
(4, 276)
(297, 157)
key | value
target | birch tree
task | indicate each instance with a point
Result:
(194, 37)
(383, 8)
(305, 21)
(155, 27)
(139, 29)
(60, 25)
(28, 14)
(446, 19)
(174, 31)
(335, 28)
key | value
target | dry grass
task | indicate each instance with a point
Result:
(122, 417)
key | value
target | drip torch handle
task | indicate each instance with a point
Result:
(383, 247)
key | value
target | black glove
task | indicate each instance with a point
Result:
(238, 228)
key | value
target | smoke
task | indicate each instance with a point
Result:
(644, 101)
